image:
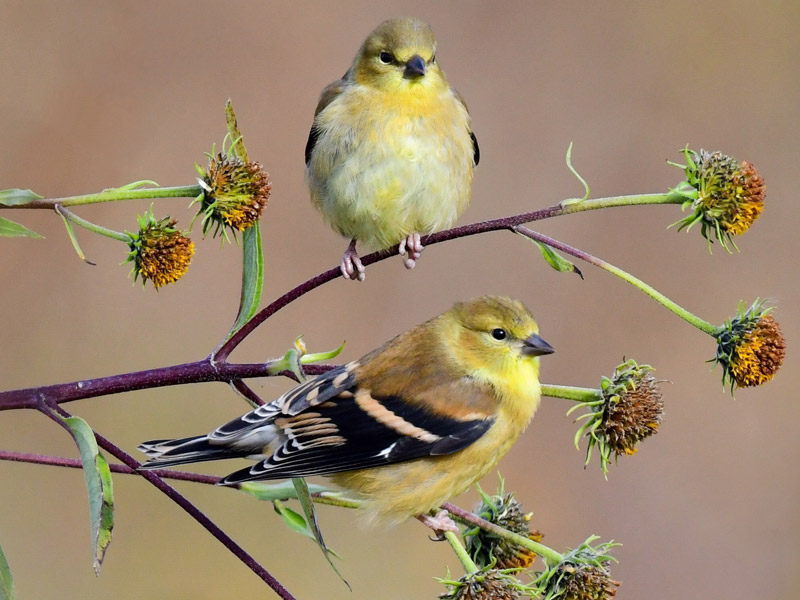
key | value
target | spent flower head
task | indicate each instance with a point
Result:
(724, 196)
(582, 574)
(628, 408)
(487, 584)
(159, 251)
(235, 192)
(750, 347)
(488, 549)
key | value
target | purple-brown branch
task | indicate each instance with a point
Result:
(74, 463)
(435, 238)
(216, 367)
(197, 372)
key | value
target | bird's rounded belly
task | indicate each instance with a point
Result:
(388, 186)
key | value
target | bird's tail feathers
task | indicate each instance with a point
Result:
(168, 453)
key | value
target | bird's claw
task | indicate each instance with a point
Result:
(440, 523)
(351, 266)
(412, 246)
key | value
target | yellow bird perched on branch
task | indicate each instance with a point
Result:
(391, 152)
(406, 427)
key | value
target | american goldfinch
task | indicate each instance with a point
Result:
(406, 427)
(391, 152)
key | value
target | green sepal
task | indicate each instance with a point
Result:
(237, 144)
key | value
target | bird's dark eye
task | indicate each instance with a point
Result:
(499, 334)
(433, 59)
(386, 57)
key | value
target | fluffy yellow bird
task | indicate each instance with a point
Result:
(391, 152)
(406, 427)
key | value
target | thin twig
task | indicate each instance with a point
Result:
(184, 503)
(74, 463)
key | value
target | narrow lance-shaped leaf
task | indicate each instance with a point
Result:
(73, 238)
(10, 228)
(6, 581)
(252, 277)
(99, 487)
(555, 260)
(252, 257)
(17, 197)
(303, 494)
(129, 187)
(284, 490)
(296, 522)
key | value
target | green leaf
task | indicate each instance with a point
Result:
(293, 520)
(6, 581)
(303, 494)
(314, 357)
(296, 356)
(252, 277)
(99, 487)
(277, 491)
(17, 197)
(73, 238)
(129, 187)
(12, 229)
(252, 257)
(555, 260)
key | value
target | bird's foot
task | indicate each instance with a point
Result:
(411, 246)
(440, 523)
(351, 266)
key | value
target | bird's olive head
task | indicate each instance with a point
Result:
(399, 52)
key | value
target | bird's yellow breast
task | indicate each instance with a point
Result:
(422, 485)
(392, 162)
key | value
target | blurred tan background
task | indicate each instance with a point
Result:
(99, 94)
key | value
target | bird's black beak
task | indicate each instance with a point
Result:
(535, 346)
(415, 67)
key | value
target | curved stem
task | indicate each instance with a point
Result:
(463, 556)
(336, 499)
(550, 556)
(676, 308)
(93, 227)
(188, 191)
(568, 392)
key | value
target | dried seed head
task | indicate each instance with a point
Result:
(159, 252)
(235, 193)
(750, 347)
(725, 197)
